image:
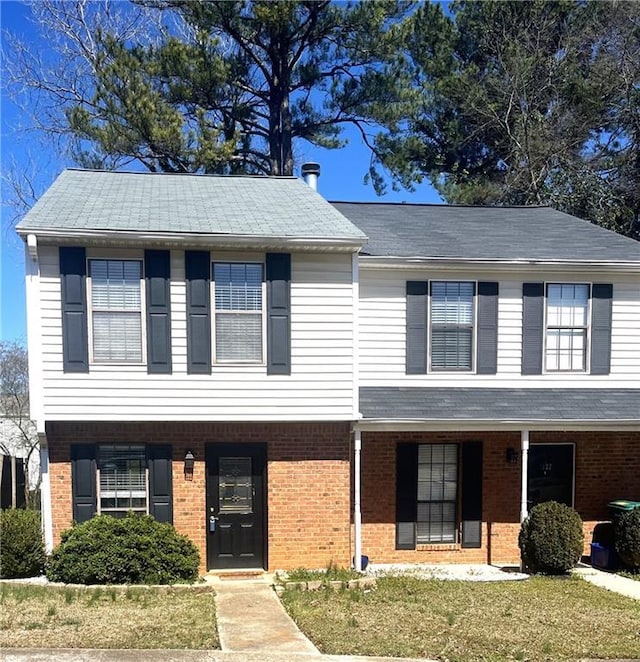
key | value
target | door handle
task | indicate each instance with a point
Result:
(212, 523)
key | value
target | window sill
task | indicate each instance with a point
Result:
(438, 547)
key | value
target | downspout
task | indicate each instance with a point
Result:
(524, 454)
(36, 393)
(357, 513)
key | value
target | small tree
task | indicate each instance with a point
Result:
(14, 405)
(551, 539)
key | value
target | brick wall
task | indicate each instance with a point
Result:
(607, 467)
(307, 478)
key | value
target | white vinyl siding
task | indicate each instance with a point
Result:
(437, 493)
(238, 305)
(452, 322)
(320, 387)
(115, 303)
(567, 308)
(382, 330)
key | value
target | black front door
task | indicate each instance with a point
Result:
(550, 474)
(235, 517)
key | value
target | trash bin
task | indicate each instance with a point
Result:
(620, 506)
(601, 556)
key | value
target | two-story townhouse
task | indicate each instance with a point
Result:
(499, 366)
(228, 354)
(191, 356)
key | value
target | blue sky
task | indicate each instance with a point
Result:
(341, 178)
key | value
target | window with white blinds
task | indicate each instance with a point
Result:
(567, 315)
(452, 320)
(238, 300)
(437, 493)
(122, 471)
(116, 310)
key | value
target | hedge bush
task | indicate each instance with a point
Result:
(133, 550)
(21, 546)
(627, 537)
(551, 539)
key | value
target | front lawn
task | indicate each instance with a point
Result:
(53, 617)
(537, 619)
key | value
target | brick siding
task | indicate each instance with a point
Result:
(307, 477)
(607, 468)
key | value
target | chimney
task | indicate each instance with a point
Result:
(310, 173)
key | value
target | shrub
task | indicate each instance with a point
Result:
(627, 537)
(551, 539)
(21, 548)
(133, 550)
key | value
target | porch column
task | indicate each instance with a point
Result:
(524, 454)
(357, 514)
(45, 496)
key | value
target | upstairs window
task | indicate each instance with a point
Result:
(239, 312)
(122, 470)
(452, 320)
(566, 332)
(116, 310)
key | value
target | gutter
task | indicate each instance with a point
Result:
(191, 238)
(417, 262)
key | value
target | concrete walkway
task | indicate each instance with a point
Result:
(250, 617)
(610, 581)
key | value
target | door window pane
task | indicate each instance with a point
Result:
(550, 474)
(235, 487)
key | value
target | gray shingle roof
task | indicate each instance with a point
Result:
(145, 202)
(494, 233)
(479, 404)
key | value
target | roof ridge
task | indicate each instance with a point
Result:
(436, 204)
(183, 174)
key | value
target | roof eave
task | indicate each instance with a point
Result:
(417, 262)
(66, 235)
(480, 424)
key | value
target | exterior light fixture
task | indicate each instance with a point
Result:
(512, 456)
(189, 461)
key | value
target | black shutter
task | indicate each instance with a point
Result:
(83, 481)
(278, 313)
(73, 282)
(416, 349)
(160, 482)
(157, 270)
(472, 494)
(406, 495)
(487, 328)
(601, 297)
(198, 276)
(532, 327)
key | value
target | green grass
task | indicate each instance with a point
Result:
(330, 573)
(541, 618)
(53, 617)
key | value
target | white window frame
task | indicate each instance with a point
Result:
(587, 340)
(119, 511)
(455, 500)
(143, 307)
(214, 311)
(474, 330)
